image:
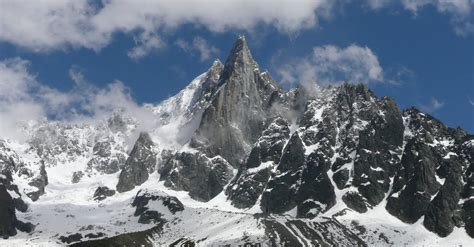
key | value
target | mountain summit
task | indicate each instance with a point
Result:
(234, 159)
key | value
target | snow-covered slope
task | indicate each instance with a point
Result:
(234, 159)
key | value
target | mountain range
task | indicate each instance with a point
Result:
(235, 159)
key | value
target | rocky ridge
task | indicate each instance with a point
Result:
(290, 164)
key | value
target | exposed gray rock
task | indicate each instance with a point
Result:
(253, 176)
(8, 221)
(430, 181)
(146, 215)
(238, 112)
(7, 214)
(76, 237)
(315, 193)
(140, 163)
(77, 176)
(203, 177)
(280, 195)
(39, 182)
(468, 208)
(376, 156)
(355, 201)
(103, 160)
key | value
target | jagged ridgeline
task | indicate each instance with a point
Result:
(232, 159)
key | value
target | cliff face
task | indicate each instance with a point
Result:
(239, 111)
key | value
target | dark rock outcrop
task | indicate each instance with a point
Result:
(77, 176)
(280, 194)
(71, 238)
(8, 221)
(430, 180)
(253, 176)
(355, 201)
(103, 192)
(39, 182)
(140, 163)
(147, 215)
(203, 177)
(7, 214)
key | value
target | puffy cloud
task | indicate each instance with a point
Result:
(44, 25)
(205, 50)
(52, 24)
(24, 99)
(333, 65)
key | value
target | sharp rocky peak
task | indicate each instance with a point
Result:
(239, 109)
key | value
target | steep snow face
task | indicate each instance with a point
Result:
(180, 115)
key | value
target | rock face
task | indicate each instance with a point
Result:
(367, 150)
(238, 112)
(203, 177)
(140, 163)
(104, 161)
(8, 206)
(253, 176)
(7, 214)
(349, 147)
(430, 181)
(39, 182)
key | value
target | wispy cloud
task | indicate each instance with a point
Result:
(23, 98)
(432, 106)
(333, 65)
(199, 45)
(145, 44)
(471, 102)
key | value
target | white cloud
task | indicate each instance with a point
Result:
(23, 99)
(471, 102)
(145, 43)
(333, 65)
(44, 25)
(52, 24)
(433, 106)
(200, 45)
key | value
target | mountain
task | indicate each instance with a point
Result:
(234, 159)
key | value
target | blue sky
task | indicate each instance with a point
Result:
(421, 54)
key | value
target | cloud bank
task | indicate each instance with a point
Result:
(24, 99)
(51, 24)
(45, 25)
